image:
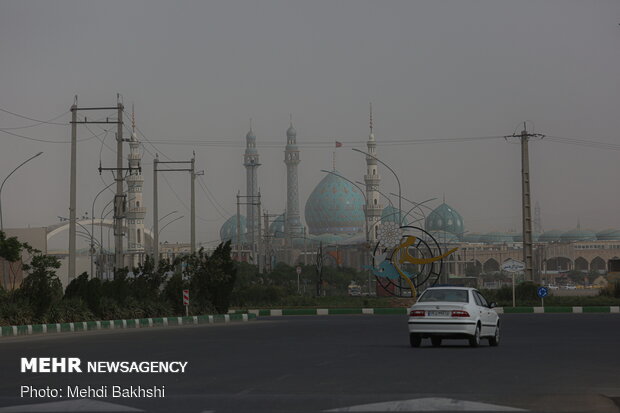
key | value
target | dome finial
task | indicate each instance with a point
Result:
(290, 115)
(250, 124)
(371, 118)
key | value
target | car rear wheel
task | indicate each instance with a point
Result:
(494, 341)
(436, 341)
(475, 340)
(415, 340)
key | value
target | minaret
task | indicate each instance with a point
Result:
(250, 161)
(372, 180)
(291, 159)
(135, 209)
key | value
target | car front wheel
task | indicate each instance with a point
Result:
(475, 340)
(494, 341)
(415, 340)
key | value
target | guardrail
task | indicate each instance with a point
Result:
(122, 324)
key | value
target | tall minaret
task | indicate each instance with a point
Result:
(291, 159)
(136, 210)
(372, 180)
(250, 161)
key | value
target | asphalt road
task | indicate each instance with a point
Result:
(545, 362)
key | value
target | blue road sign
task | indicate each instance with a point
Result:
(542, 292)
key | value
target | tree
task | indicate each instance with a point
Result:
(41, 288)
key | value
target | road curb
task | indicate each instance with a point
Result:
(32, 329)
(403, 310)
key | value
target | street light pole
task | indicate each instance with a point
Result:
(2, 186)
(92, 230)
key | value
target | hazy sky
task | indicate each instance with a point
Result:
(432, 69)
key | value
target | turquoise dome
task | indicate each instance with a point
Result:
(228, 231)
(610, 234)
(390, 214)
(445, 218)
(578, 234)
(443, 237)
(335, 206)
(277, 226)
(472, 237)
(519, 237)
(550, 236)
(495, 237)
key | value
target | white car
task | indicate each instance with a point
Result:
(453, 312)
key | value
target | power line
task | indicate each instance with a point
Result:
(41, 122)
(30, 138)
(37, 120)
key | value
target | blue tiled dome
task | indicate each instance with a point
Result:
(228, 231)
(495, 237)
(445, 218)
(335, 207)
(550, 236)
(277, 226)
(610, 234)
(578, 234)
(390, 214)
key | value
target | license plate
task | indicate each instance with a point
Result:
(438, 313)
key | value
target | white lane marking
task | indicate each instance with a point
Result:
(82, 405)
(428, 404)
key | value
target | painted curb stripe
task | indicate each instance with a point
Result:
(7, 331)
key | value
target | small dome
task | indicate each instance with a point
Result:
(445, 218)
(472, 237)
(609, 234)
(550, 236)
(578, 234)
(335, 206)
(519, 237)
(443, 237)
(495, 237)
(228, 231)
(291, 132)
(277, 226)
(250, 135)
(390, 214)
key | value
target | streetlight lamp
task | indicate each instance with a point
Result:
(92, 230)
(395, 176)
(2, 186)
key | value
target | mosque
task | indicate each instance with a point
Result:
(343, 220)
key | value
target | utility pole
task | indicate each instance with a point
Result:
(73, 182)
(155, 214)
(157, 162)
(119, 205)
(526, 200)
(193, 174)
(73, 190)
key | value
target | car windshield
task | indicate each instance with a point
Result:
(449, 295)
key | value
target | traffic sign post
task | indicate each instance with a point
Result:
(513, 266)
(298, 271)
(542, 293)
(186, 302)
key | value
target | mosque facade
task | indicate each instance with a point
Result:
(344, 221)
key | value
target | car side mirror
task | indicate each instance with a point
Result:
(493, 305)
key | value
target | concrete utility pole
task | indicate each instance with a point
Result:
(119, 205)
(526, 200)
(73, 189)
(193, 175)
(192, 208)
(73, 186)
(155, 213)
